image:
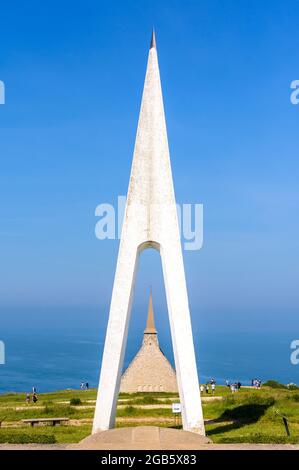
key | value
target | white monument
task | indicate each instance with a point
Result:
(150, 221)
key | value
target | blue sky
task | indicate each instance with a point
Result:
(74, 74)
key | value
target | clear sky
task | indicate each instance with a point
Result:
(74, 73)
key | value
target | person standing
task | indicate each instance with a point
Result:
(213, 387)
(27, 398)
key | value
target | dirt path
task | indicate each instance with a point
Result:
(122, 404)
(122, 419)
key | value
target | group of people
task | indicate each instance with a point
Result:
(84, 386)
(256, 383)
(234, 386)
(206, 387)
(34, 397)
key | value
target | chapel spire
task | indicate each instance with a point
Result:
(150, 324)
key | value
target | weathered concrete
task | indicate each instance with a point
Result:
(150, 221)
(143, 437)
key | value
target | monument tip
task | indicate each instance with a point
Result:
(153, 40)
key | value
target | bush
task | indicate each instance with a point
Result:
(274, 384)
(292, 387)
(294, 397)
(16, 437)
(130, 410)
(148, 400)
(75, 401)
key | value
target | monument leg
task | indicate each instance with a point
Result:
(182, 339)
(116, 338)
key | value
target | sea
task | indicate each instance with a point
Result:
(62, 359)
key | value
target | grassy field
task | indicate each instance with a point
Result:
(253, 416)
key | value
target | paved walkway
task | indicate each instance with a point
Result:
(156, 438)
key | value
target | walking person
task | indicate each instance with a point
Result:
(213, 387)
(259, 384)
(27, 398)
(34, 398)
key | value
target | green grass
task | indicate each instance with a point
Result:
(45, 434)
(130, 410)
(150, 400)
(12, 436)
(248, 416)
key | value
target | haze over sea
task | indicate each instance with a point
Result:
(73, 85)
(54, 360)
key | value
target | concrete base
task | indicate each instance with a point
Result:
(142, 438)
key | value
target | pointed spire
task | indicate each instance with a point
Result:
(153, 40)
(150, 324)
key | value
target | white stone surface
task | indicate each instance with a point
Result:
(150, 221)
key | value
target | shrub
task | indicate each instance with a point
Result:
(293, 387)
(274, 384)
(130, 410)
(149, 400)
(16, 437)
(294, 397)
(75, 401)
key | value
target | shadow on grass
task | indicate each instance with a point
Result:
(241, 416)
